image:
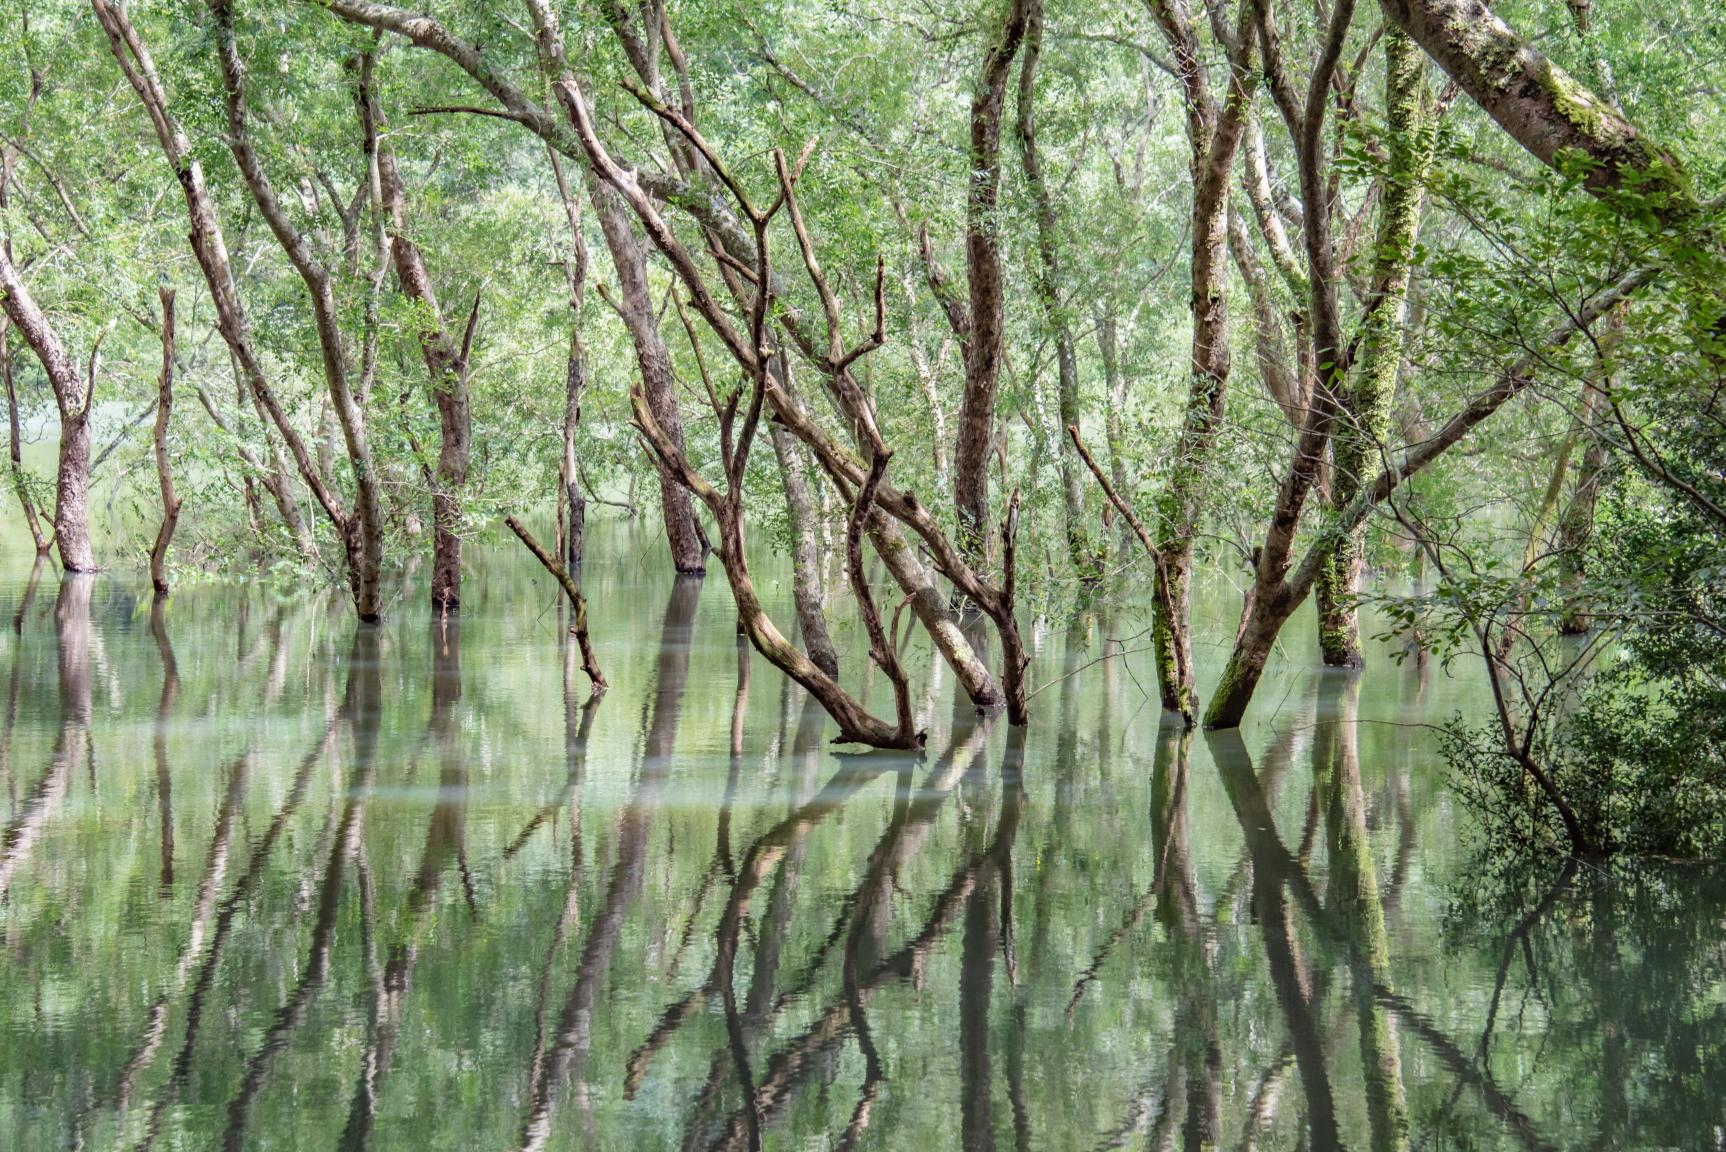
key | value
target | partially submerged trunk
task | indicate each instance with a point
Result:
(447, 363)
(805, 552)
(1364, 403)
(986, 314)
(659, 383)
(164, 469)
(73, 398)
(574, 515)
(1213, 135)
(1280, 586)
(361, 529)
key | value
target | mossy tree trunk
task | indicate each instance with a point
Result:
(1364, 405)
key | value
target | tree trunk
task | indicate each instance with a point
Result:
(20, 486)
(447, 364)
(72, 482)
(575, 513)
(164, 470)
(1543, 109)
(1213, 137)
(635, 303)
(805, 556)
(362, 530)
(1114, 412)
(1363, 422)
(987, 315)
(210, 249)
(1047, 279)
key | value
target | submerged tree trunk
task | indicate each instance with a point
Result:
(164, 470)
(574, 515)
(360, 531)
(72, 482)
(447, 364)
(1213, 137)
(1363, 422)
(1114, 412)
(987, 312)
(805, 553)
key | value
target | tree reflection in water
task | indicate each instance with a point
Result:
(396, 887)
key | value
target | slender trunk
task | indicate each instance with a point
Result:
(575, 503)
(447, 364)
(210, 249)
(987, 315)
(164, 471)
(1047, 280)
(1114, 412)
(73, 398)
(362, 530)
(1576, 524)
(20, 486)
(1363, 422)
(1279, 587)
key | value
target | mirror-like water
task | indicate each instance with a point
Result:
(272, 881)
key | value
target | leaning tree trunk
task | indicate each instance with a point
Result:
(72, 482)
(1544, 109)
(1363, 421)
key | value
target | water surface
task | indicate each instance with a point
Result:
(272, 881)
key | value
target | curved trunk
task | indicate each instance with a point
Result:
(72, 481)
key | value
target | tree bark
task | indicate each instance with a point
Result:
(1364, 404)
(1047, 280)
(1542, 107)
(805, 555)
(659, 384)
(20, 485)
(447, 363)
(73, 398)
(575, 374)
(1213, 137)
(164, 470)
(987, 312)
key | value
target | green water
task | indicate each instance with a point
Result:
(272, 882)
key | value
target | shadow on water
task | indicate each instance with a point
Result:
(270, 880)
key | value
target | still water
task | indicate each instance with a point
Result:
(270, 881)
